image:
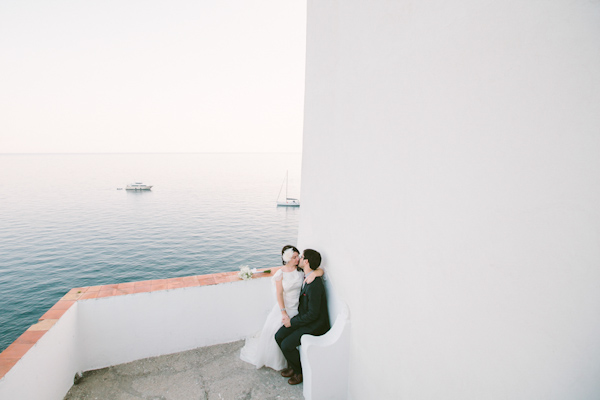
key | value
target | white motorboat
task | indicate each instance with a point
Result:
(289, 201)
(138, 186)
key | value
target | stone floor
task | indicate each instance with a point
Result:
(208, 373)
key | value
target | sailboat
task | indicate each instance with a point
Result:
(288, 202)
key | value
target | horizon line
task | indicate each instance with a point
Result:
(116, 153)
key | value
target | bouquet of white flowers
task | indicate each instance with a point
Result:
(246, 273)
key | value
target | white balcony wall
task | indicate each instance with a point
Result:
(451, 179)
(121, 329)
(47, 370)
(98, 333)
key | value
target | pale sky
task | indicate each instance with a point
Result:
(151, 76)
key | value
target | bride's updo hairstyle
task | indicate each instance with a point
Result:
(287, 253)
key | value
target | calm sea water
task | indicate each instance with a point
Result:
(64, 224)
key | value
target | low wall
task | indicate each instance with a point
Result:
(48, 365)
(100, 326)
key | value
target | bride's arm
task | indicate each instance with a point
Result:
(279, 291)
(315, 273)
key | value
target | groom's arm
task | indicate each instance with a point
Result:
(314, 292)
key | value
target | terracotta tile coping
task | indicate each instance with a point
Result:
(14, 352)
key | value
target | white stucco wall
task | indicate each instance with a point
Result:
(97, 333)
(116, 330)
(47, 370)
(451, 179)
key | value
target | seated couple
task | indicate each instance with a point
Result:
(301, 308)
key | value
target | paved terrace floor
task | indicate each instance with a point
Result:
(207, 373)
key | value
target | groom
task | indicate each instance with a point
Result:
(312, 318)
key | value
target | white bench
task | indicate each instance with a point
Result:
(325, 359)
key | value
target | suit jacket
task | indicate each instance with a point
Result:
(312, 309)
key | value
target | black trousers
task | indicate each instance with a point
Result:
(288, 340)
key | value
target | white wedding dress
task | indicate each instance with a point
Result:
(262, 349)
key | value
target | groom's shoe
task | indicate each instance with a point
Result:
(286, 373)
(296, 379)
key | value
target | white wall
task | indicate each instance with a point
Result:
(98, 333)
(47, 370)
(451, 179)
(121, 329)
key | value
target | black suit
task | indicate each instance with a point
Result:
(312, 318)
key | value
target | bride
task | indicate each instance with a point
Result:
(262, 349)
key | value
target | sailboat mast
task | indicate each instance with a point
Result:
(288, 201)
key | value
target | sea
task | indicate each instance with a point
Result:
(66, 221)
